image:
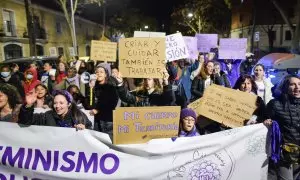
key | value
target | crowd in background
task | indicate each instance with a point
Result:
(184, 81)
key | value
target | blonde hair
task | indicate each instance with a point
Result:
(157, 86)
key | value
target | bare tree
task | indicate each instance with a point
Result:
(294, 31)
(30, 27)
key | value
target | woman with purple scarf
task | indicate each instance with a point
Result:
(187, 123)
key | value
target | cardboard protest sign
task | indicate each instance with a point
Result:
(175, 47)
(149, 34)
(191, 44)
(53, 51)
(103, 51)
(139, 125)
(228, 106)
(233, 48)
(206, 42)
(142, 57)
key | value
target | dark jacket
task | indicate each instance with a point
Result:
(16, 82)
(49, 118)
(288, 117)
(223, 79)
(246, 67)
(198, 86)
(105, 101)
(143, 98)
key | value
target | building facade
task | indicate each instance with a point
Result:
(271, 31)
(51, 31)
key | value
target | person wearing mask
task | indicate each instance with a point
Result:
(61, 72)
(150, 93)
(187, 124)
(44, 99)
(246, 83)
(264, 85)
(31, 80)
(6, 76)
(218, 73)
(285, 110)
(203, 80)
(64, 114)
(46, 78)
(105, 99)
(10, 103)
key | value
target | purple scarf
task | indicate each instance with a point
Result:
(192, 133)
(275, 142)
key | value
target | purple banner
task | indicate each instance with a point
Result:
(191, 44)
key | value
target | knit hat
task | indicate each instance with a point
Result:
(187, 112)
(106, 67)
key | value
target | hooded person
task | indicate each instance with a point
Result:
(31, 80)
(105, 99)
(187, 123)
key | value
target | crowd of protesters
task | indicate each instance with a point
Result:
(183, 82)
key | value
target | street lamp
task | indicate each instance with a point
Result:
(146, 27)
(190, 15)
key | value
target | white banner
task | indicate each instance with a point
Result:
(64, 153)
(148, 34)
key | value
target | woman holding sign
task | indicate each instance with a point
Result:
(149, 94)
(247, 84)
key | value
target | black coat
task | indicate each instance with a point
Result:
(49, 118)
(105, 101)
(198, 86)
(143, 98)
(287, 116)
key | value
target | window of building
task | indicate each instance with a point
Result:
(58, 27)
(39, 50)
(88, 50)
(12, 51)
(288, 35)
(60, 50)
(8, 23)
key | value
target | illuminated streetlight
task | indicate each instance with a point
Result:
(146, 27)
(190, 15)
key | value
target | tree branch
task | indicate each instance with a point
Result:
(284, 16)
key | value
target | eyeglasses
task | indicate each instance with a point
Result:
(189, 119)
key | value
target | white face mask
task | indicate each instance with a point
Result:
(29, 76)
(5, 74)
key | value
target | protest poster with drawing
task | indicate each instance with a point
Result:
(142, 57)
(103, 51)
(191, 44)
(227, 106)
(139, 125)
(233, 48)
(175, 47)
(206, 42)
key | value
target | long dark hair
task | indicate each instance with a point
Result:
(242, 79)
(13, 96)
(282, 88)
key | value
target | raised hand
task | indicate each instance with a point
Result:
(31, 98)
